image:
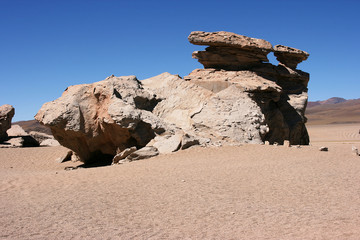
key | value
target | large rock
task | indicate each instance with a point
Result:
(276, 95)
(229, 51)
(237, 98)
(6, 114)
(100, 119)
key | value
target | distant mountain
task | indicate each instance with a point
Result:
(333, 100)
(33, 125)
(333, 110)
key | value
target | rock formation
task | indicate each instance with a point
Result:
(237, 98)
(6, 114)
(277, 94)
(18, 137)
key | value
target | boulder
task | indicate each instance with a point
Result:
(16, 131)
(22, 141)
(17, 137)
(122, 155)
(168, 144)
(6, 114)
(98, 120)
(15, 142)
(144, 153)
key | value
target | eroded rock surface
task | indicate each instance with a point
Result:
(6, 114)
(100, 119)
(279, 92)
(238, 98)
(289, 56)
(228, 50)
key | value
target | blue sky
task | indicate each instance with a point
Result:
(46, 46)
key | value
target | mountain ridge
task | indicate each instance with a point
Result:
(333, 111)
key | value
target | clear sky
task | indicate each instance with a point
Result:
(48, 45)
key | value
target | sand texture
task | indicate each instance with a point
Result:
(245, 192)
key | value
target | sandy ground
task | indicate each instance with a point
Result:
(246, 192)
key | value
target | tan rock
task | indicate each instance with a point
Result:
(122, 155)
(143, 153)
(289, 56)
(16, 131)
(168, 144)
(21, 141)
(97, 119)
(15, 142)
(229, 51)
(228, 39)
(50, 143)
(6, 114)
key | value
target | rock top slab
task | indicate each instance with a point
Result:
(228, 39)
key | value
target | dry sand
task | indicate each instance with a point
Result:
(246, 192)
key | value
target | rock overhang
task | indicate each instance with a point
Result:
(232, 51)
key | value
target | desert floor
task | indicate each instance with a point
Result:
(246, 192)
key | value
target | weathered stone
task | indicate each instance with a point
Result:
(95, 120)
(22, 141)
(6, 114)
(229, 51)
(236, 99)
(144, 153)
(16, 131)
(122, 155)
(15, 142)
(180, 99)
(168, 144)
(228, 39)
(289, 56)
(50, 143)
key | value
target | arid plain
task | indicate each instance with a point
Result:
(244, 192)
